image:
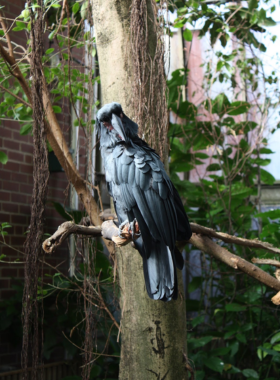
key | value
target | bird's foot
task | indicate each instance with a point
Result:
(132, 229)
(123, 230)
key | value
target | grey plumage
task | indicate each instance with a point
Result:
(142, 190)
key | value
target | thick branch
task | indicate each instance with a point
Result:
(206, 245)
(108, 230)
(233, 239)
(198, 229)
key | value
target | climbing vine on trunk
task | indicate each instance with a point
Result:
(149, 82)
(33, 244)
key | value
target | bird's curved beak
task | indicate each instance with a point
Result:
(118, 126)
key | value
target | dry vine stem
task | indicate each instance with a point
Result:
(30, 307)
(199, 239)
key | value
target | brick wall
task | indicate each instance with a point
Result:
(16, 184)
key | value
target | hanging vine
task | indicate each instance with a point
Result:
(149, 84)
(33, 244)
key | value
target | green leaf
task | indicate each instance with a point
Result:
(84, 9)
(253, 4)
(241, 338)
(25, 129)
(179, 23)
(197, 320)
(220, 65)
(235, 307)
(93, 52)
(237, 108)
(220, 351)
(214, 363)
(250, 373)
(20, 26)
(181, 167)
(49, 51)
(199, 375)
(276, 337)
(260, 354)
(267, 178)
(268, 22)
(19, 105)
(199, 342)
(3, 158)
(195, 283)
(234, 348)
(272, 214)
(213, 167)
(276, 347)
(186, 110)
(75, 8)
(268, 351)
(5, 225)
(51, 35)
(24, 14)
(56, 109)
(201, 155)
(55, 5)
(187, 34)
(266, 151)
(220, 104)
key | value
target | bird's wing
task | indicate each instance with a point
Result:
(145, 189)
(142, 188)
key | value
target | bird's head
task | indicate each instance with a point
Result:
(113, 125)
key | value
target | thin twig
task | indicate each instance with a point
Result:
(4, 27)
(15, 96)
(98, 192)
(73, 328)
(94, 353)
(275, 263)
(105, 307)
(61, 17)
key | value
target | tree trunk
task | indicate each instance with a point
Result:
(153, 333)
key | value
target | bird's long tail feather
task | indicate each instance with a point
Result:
(159, 271)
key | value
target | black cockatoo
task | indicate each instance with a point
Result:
(143, 194)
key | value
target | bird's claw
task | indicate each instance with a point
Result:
(121, 226)
(132, 229)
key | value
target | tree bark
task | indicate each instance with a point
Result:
(153, 333)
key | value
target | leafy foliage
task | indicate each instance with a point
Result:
(62, 304)
(66, 76)
(233, 332)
